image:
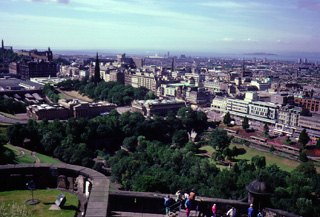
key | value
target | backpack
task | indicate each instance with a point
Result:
(188, 204)
(168, 202)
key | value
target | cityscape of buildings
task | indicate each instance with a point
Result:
(283, 94)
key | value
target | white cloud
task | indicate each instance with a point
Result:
(223, 4)
(250, 39)
(140, 7)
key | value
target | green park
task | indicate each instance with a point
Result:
(157, 155)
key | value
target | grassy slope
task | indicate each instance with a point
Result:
(10, 116)
(63, 96)
(283, 163)
(47, 159)
(28, 159)
(75, 94)
(46, 199)
(15, 151)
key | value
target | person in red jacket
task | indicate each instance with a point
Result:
(214, 210)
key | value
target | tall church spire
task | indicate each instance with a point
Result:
(243, 69)
(3, 51)
(97, 77)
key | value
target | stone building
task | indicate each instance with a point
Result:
(30, 69)
(288, 118)
(219, 104)
(13, 68)
(150, 107)
(312, 105)
(264, 109)
(49, 112)
(150, 81)
(197, 96)
(310, 122)
(68, 108)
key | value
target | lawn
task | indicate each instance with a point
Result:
(13, 203)
(4, 125)
(63, 96)
(283, 163)
(15, 151)
(47, 159)
(75, 94)
(28, 159)
(10, 116)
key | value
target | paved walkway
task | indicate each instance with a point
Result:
(23, 152)
(137, 214)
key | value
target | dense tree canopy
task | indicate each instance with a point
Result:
(51, 93)
(245, 123)
(227, 118)
(266, 129)
(154, 162)
(304, 137)
(109, 91)
(219, 139)
(11, 106)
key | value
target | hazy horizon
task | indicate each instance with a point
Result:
(204, 26)
(285, 56)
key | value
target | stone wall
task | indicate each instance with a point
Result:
(148, 202)
(95, 186)
(90, 183)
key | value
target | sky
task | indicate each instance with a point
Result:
(148, 25)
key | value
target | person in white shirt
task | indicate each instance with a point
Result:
(231, 212)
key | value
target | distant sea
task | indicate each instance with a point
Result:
(283, 56)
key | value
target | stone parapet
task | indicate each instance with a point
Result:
(95, 186)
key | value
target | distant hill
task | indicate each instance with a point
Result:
(260, 54)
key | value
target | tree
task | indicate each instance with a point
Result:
(306, 169)
(79, 153)
(226, 153)
(272, 149)
(266, 130)
(318, 144)
(304, 137)
(148, 183)
(258, 161)
(303, 156)
(219, 139)
(288, 140)
(16, 134)
(188, 118)
(245, 123)
(50, 141)
(201, 122)
(227, 118)
(180, 138)
(217, 155)
(130, 143)
(6, 155)
(142, 142)
(150, 95)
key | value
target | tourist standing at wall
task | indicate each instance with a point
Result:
(214, 210)
(231, 212)
(250, 211)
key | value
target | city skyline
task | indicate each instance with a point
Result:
(195, 26)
